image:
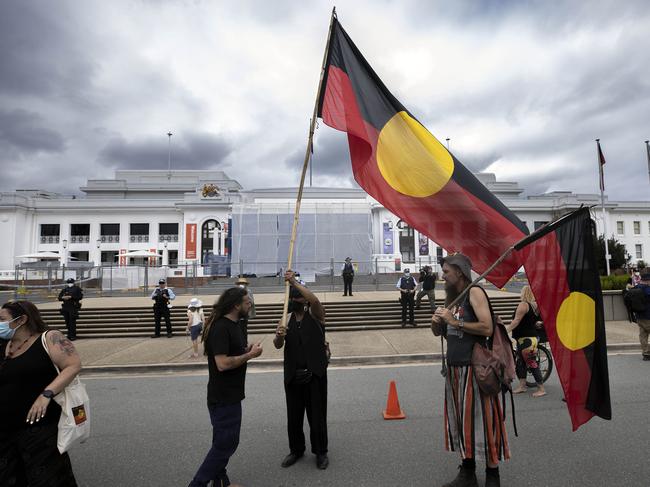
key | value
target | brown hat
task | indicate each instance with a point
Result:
(242, 280)
(462, 262)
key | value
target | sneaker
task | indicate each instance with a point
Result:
(155, 336)
(646, 357)
(466, 478)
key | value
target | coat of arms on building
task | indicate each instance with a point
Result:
(209, 191)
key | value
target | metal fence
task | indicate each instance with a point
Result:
(45, 280)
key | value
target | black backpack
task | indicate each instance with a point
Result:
(636, 300)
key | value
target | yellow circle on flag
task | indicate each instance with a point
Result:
(411, 160)
(576, 321)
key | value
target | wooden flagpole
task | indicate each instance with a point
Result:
(312, 125)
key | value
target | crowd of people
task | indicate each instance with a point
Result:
(474, 421)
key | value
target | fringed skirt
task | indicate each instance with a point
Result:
(474, 422)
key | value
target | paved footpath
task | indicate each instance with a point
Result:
(110, 355)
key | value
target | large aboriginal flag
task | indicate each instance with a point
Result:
(561, 267)
(400, 164)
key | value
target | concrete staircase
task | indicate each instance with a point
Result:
(341, 316)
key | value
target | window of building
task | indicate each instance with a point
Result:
(407, 242)
(210, 238)
(79, 256)
(620, 228)
(80, 233)
(639, 251)
(538, 225)
(637, 228)
(109, 257)
(173, 257)
(168, 232)
(139, 232)
(50, 233)
(109, 232)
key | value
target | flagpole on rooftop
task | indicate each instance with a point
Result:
(601, 172)
(312, 126)
(169, 156)
(647, 149)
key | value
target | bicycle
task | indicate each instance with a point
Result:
(543, 358)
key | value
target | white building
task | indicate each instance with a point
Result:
(186, 216)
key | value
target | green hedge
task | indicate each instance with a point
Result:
(613, 282)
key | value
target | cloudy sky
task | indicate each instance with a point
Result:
(522, 89)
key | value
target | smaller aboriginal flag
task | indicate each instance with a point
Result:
(561, 267)
(397, 161)
(601, 164)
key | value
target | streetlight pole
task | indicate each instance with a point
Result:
(447, 139)
(169, 156)
(647, 149)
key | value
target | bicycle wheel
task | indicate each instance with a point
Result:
(544, 363)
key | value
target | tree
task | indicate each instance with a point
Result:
(620, 257)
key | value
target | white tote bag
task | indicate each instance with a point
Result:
(74, 424)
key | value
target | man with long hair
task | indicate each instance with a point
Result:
(228, 354)
(305, 372)
(474, 422)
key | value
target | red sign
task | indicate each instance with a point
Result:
(122, 257)
(152, 260)
(190, 241)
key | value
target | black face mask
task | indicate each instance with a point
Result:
(295, 306)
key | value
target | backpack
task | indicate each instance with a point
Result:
(494, 363)
(636, 300)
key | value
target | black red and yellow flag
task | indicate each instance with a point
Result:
(402, 165)
(561, 267)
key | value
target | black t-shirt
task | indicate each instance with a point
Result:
(226, 337)
(428, 282)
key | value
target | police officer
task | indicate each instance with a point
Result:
(162, 296)
(70, 297)
(406, 286)
(348, 276)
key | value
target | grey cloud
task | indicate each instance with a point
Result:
(23, 132)
(39, 56)
(188, 151)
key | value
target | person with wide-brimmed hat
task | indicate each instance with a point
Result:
(195, 320)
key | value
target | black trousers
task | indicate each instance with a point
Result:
(347, 285)
(159, 313)
(70, 316)
(407, 302)
(312, 398)
(29, 457)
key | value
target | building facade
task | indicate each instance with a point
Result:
(187, 216)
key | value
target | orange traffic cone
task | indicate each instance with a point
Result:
(393, 411)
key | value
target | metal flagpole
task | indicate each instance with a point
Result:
(312, 126)
(601, 160)
(647, 148)
(169, 156)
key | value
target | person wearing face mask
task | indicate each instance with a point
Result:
(70, 297)
(406, 286)
(305, 372)
(28, 384)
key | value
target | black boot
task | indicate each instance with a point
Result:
(466, 478)
(492, 478)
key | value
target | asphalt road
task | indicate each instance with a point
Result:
(155, 431)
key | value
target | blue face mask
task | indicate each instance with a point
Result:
(6, 332)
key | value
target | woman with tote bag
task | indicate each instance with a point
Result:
(29, 416)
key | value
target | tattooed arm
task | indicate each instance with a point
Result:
(66, 358)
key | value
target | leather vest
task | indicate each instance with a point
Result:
(307, 341)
